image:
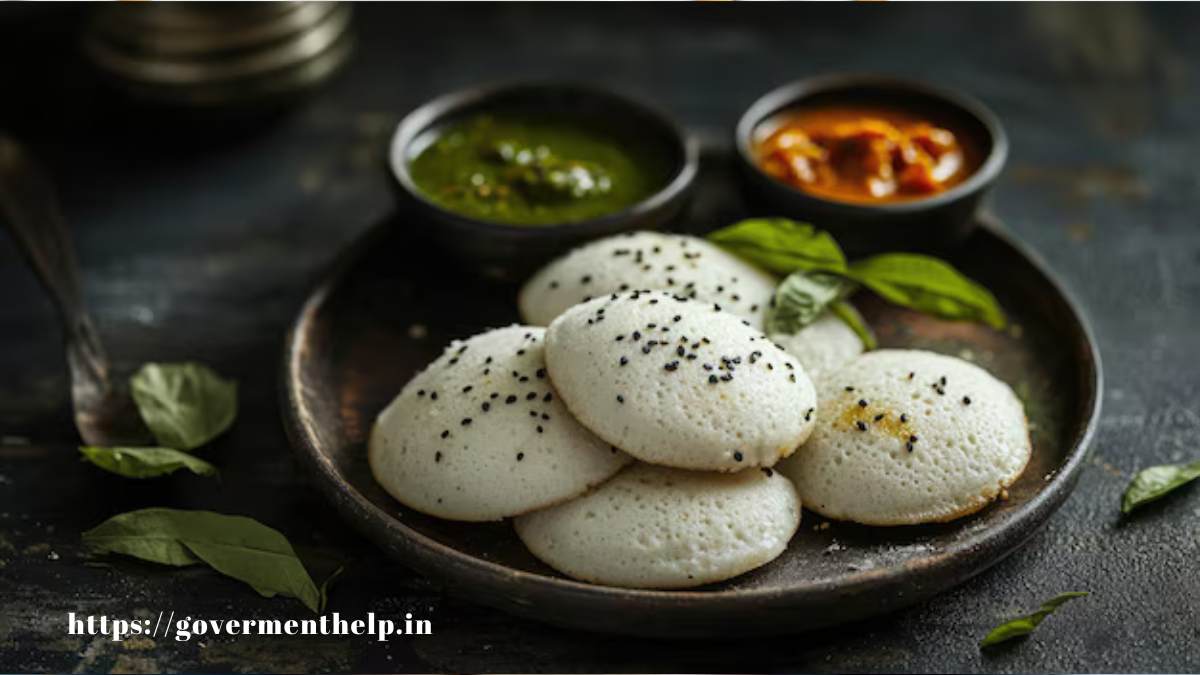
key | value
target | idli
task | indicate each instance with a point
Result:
(679, 382)
(910, 437)
(480, 435)
(656, 527)
(823, 346)
(686, 266)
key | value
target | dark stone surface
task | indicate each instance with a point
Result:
(201, 248)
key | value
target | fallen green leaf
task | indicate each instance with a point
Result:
(145, 462)
(1156, 482)
(802, 297)
(185, 405)
(846, 312)
(235, 546)
(781, 246)
(927, 284)
(1024, 625)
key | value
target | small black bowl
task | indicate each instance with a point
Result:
(932, 223)
(502, 249)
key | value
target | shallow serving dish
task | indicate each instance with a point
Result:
(371, 324)
(503, 249)
(930, 223)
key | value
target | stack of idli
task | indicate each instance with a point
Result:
(707, 404)
(534, 423)
(653, 436)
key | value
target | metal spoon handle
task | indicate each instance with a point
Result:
(28, 201)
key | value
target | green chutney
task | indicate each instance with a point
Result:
(534, 171)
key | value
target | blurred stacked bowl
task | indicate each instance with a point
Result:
(214, 55)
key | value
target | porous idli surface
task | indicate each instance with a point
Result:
(909, 437)
(679, 382)
(684, 265)
(822, 347)
(657, 527)
(480, 434)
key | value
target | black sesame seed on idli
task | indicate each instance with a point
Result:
(466, 440)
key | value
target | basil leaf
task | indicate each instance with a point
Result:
(235, 546)
(185, 405)
(146, 462)
(802, 297)
(929, 285)
(780, 245)
(1025, 624)
(844, 311)
(1156, 482)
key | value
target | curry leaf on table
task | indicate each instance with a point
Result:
(782, 246)
(846, 312)
(185, 405)
(1156, 482)
(802, 297)
(235, 546)
(1024, 625)
(145, 462)
(927, 284)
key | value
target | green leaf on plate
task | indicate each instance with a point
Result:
(145, 462)
(781, 246)
(846, 312)
(927, 284)
(1156, 482)
(185, 405)
(802, 297)
(1024, 625)
(235, 546)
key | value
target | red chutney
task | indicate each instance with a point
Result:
(864, 154)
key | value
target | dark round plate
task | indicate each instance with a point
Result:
(391, 304)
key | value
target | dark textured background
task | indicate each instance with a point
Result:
(203, 250)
